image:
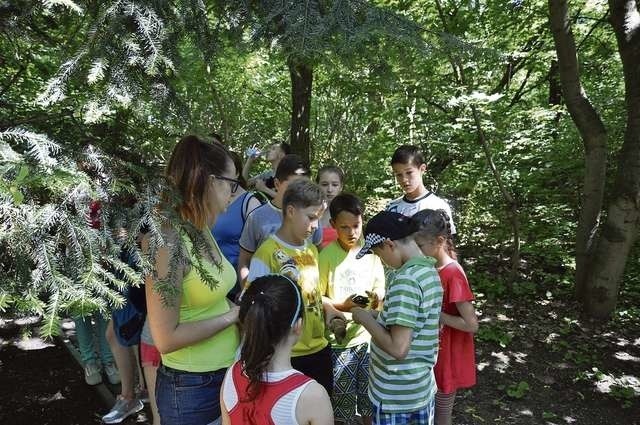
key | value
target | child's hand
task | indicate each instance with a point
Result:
(348, 303)
(374, 300)
(359, 315)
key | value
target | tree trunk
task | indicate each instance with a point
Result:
(623, 216)
(301, 82)
(594, 137)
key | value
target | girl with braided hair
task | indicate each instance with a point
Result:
(455, 367)
(262, 387)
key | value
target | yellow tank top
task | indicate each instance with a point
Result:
(201, 302)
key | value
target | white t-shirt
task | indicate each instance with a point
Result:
(428, 201)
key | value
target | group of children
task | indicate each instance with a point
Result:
(324, 338)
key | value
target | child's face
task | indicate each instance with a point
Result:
(388, 254)
(330, 185)
(349, 228)
(409, 177)
(304, 221)
(430, 246)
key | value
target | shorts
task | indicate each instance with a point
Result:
(350, 382)
(317, 366)
(149, 355)
(424, 416)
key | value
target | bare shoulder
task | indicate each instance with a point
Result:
(314, 406)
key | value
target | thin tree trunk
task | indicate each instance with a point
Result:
(301, 84)
(511, 204)
(594, 137)
(620, 230)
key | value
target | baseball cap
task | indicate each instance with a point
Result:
(382, 226)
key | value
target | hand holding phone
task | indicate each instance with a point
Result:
(361, 300)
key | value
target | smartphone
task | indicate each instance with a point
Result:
(361, 300)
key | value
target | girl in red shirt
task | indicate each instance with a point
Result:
(456, 366)
(262, 388)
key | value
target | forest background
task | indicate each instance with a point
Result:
(528, 113)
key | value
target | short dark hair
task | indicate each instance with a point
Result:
(408, 154)
(331, 169)
(285, 148)
(345, 202)
(302, 194)
(291, 165)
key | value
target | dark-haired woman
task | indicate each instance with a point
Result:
(194, 326)
(262, 387)
(230, 223)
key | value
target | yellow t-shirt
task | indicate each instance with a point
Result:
(200, 302)
(301, 264)
(341, 275)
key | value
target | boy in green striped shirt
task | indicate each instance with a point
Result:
(404, 336)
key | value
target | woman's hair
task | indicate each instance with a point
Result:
(407, 154)
(269, 309)
(237, 163)
(331, 169)
(429, 224)
(191, 164)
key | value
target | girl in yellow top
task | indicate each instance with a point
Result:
(192, 323)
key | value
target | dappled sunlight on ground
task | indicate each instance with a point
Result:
(33, 343)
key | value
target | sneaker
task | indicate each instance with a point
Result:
(122, 410)
(112, 373)
(92, 375)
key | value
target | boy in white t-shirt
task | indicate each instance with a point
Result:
(408, 167)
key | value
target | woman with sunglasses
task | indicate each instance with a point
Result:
(262, 387)
(192, 323)
(230, 223)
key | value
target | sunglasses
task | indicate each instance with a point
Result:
(233, 183)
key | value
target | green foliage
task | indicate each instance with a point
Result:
(495, 334)
(519, 390)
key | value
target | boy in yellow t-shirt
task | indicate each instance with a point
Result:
(290, 252)
(349, 282)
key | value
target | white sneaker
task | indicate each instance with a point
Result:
(122, 410)
(112, 373)
(92, 375)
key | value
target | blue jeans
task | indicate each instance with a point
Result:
(188, 398)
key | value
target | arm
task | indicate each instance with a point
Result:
(314, 406)
(224, 413)
(330, 310)
(247, 167)
(467, 321)
(244, 259)
(396, 341)
(262, 187)
(168, 333)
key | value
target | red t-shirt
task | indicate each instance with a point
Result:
(456, 364)
(329, 234)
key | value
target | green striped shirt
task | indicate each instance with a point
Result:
(413, 300)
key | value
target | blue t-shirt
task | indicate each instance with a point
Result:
(228, 228)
